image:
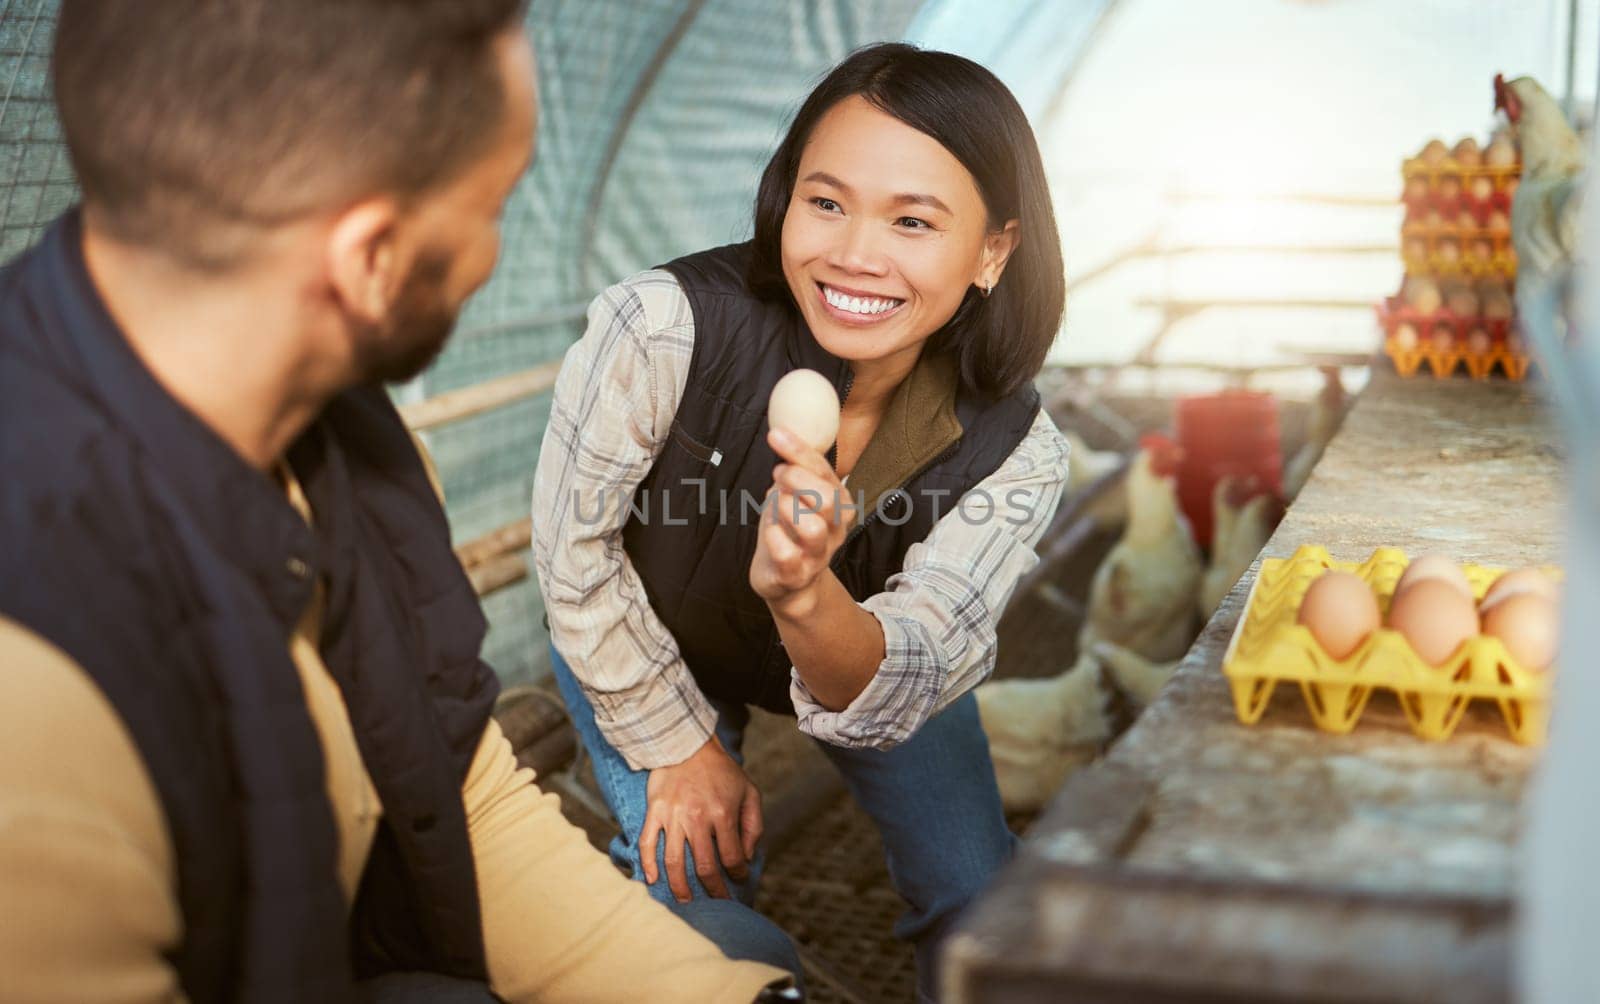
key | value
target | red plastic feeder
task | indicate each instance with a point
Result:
(1230, 434)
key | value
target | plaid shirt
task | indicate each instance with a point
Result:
(615, 401)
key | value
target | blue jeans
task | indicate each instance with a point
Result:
(933, 799)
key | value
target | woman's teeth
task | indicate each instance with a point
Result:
(864, 305)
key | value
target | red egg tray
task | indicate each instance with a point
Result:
(1505, 351)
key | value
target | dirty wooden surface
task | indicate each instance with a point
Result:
(1205, 859)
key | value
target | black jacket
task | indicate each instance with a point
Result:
(174, 574)
(934, 444)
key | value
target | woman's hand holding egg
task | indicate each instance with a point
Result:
(802, 526)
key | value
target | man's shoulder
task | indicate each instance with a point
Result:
(56, 447)
(70, 509)
(45, 410)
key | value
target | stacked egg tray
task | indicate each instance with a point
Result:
(1452, 249)
(1436, 197)
(1270, 647)
(1450, 184)
(1505, 349)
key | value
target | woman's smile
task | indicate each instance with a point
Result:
(857, 308)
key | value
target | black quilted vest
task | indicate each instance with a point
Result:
(694, 554)
(174, 574)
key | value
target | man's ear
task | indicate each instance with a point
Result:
(997, 249)
(363, 263)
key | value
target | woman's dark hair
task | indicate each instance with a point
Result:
(1000, 341)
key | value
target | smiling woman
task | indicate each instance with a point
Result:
(905, 250)
(931, 183)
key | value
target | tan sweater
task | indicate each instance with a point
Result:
(88, 903)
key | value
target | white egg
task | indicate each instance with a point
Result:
(805, 403)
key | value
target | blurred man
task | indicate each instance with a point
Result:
(245, 740)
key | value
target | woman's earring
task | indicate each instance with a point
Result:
(988, 288)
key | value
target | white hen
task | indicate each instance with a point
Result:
(1546, 207)
(1088, 468)
(1040, 731)
(1138, 679)
(1244, 517)
(1142, 596)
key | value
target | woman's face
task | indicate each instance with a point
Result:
(885, 233)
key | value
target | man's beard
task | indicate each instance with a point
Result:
(403, 344)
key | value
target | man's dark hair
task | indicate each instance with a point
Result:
(194, 123)
(1000, 342)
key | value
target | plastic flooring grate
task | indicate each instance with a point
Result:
(830, 890)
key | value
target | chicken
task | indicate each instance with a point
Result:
(1040, 731)
(1142, 596)
(1089, 467)
(1327, 411)
(1136, 678)
(1547, 205)
(1245, 517)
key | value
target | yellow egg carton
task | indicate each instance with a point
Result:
(1270, 647)
(1502, 263)
(1513, 362)
(1501, 176)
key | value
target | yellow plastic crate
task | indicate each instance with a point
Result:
(1269, 648)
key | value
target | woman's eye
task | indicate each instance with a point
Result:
(826, 205)
(912, 223)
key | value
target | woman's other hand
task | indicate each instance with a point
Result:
(802, 527)
(708, 801)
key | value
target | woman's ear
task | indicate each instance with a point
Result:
(363, 264)
(997, 248)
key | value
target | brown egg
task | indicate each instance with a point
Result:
(1405, 337)
(1521, 580)
(1434, 566)
(1467, 153)
(1497, 306)
(1340, 611)
(1416, 189)
(1449, 187)
(1501, 153)
(1449, 249)
(1478, 341)
(1528, 624)
(1443, 338)
(1435, 618)
(1462, 301)
(1481, 188)
(1434, 153)
(1498, 222)
(1416, 248)
(1467, 219)
(1480, 250)
(1422, 294)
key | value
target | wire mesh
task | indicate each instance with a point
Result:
(36, 181)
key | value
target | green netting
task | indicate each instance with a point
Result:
(35, 181)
